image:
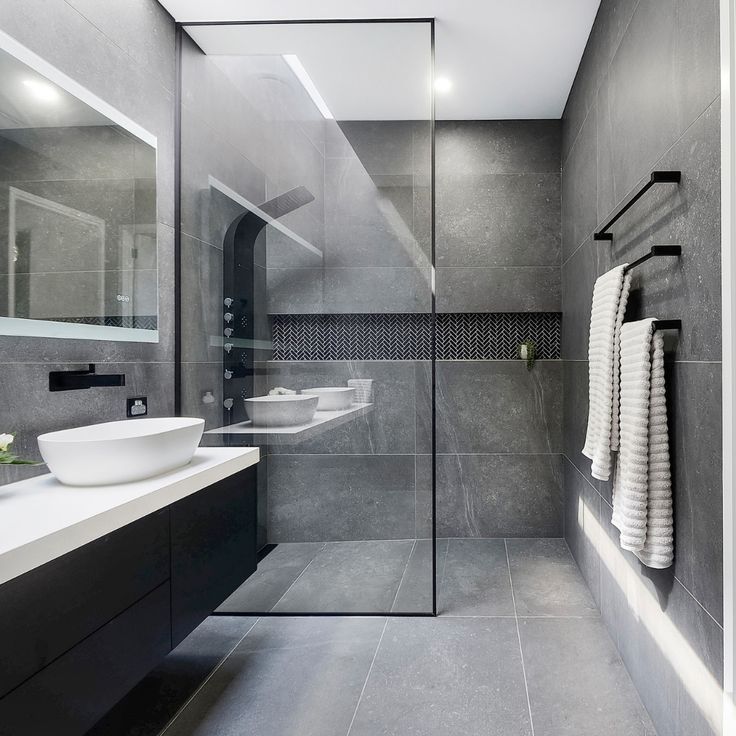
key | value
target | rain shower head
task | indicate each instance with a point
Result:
(287, 202)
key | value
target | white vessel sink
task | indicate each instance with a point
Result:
(332, 398)
(281, 411)
(120, 452)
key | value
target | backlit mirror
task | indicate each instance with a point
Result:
(77, 209)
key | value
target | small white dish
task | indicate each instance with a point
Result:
(282, 410)
(332, 398)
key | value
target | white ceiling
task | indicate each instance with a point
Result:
(507, 59)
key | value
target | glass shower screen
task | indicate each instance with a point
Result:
(307, 323)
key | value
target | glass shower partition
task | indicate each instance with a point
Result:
(307, 306)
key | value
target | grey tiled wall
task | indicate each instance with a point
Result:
(124, 53)
(646, 97)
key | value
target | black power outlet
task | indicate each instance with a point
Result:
(137, 407)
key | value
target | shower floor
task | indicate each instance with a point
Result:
(518, 650)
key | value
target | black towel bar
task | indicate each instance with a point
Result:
(655, 252)
(657, 177)
(668, 324)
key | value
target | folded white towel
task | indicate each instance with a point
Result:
(642, 489)
(610, 294)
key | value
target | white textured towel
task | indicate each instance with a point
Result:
(610, 294)
(642, 488)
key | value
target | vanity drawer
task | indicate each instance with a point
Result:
(213, 549)
(70, 695)
(45, 612)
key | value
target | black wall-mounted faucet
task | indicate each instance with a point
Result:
(73, 380)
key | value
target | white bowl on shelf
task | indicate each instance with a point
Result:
(120, 452)
(286, 410)
(332, 398)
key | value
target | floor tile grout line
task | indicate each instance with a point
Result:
(518, 636)
(367, 677)
(403, 575)
(206, 680)
(321, 549)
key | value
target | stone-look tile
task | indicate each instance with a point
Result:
(415, 592)
(60, 410)
(475, 579)
(498, 219)
(492, 406)
(349, 577)
(689, 214)
(575, 422)
(579, 274)
(383, 147)
(611, 22)
(316, 498)
(498, 146)
(504, 289)
(492, 495)
(368, 219)
(371, 290)
(276, 573)
(271, 684)
(296, 291)
(546, 580)
(695, 450)
(148, 708)
(664, 75)
(196, 380)
(577, 682)
(202, 310)
(153, 49)
(445, 676)
(579, 182)
(672, 648)
(389, 427)
(583, 526)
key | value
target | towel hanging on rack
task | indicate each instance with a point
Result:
(610, 295)
(642, 488)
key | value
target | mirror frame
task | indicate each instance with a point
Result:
(22, 327)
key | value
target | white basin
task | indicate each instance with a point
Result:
(120, 452)
(332, 398)
(287, 410)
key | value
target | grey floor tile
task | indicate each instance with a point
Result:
(577, 682)
(350, 577)
(415, 591)
(289, 677)
(442, 676)
(546, 580)
(152, 703)
(275, 575)
(475, 579)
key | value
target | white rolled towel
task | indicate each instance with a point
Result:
(610, 294)
(642, 488)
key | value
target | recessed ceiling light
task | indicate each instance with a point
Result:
(41, 90)
(442, 84)
(301, 74)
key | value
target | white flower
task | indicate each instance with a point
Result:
(5, 441)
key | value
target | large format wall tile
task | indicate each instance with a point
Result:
(389, 426)
(498, 219)
(491, 496)
(340, 497)
(494, 407)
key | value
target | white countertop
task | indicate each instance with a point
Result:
(41, 519)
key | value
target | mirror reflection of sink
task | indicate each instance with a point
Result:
(332, 398)
(120, 452)
(286, 410)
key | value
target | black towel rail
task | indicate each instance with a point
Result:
(667, 324)
(656, 251)
(657, 177)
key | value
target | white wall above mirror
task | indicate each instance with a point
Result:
(78, 246)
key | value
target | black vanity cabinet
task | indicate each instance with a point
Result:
(80, 631)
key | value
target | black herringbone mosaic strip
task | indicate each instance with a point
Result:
(408, 336)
